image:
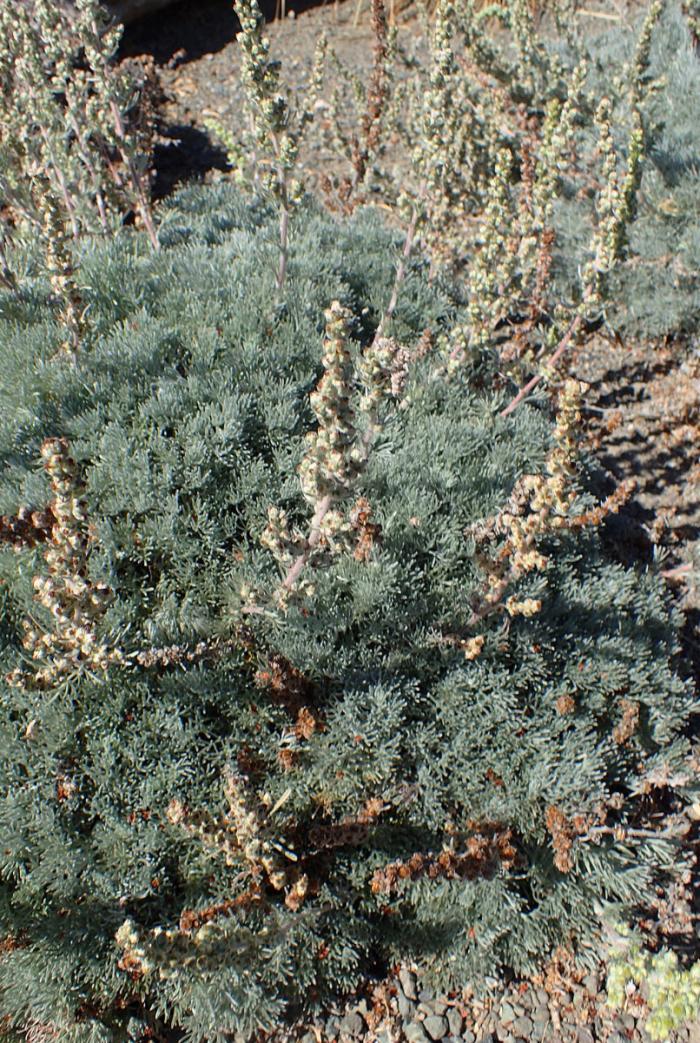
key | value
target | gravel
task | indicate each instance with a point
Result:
(521, 1013)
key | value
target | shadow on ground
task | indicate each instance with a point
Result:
(183, 153)
(187, 30)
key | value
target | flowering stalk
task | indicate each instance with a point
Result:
(99, 46)
(63, 129)
(271, 120)
(376, 97)
(338, 450)
(616, 207)
(539, 504)
(7, 277)
(74, 602)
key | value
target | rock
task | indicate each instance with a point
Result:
(467, 1036)
(527, 999)
(406, 1007)
(584, 1035)
(522, 1026)
(503, 1033)
(352, 1025)
(507, 1013)
(432, 1007)
(426, 996)
(408, 983)
(436, 1026)
(454, 1020)
(415, 1033)
(694, 1032)
(540, 1024)
(592, 983)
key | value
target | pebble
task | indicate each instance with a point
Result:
(415, 1033)
(408, 983)
(352, 1025)
(540, 1024)
(467, 1036)
(527, 999)
(592, 983)
(436, 1026)
(406, 1007)
(523, 1026)
(507, 1013)
(584, 1035)
(454, 1020)
(432, 1007)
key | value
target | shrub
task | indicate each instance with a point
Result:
(258, 731)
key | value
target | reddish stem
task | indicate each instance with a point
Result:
(532, 384)
(322, 508)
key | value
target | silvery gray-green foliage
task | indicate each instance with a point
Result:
(187, 412)
(657, 291)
